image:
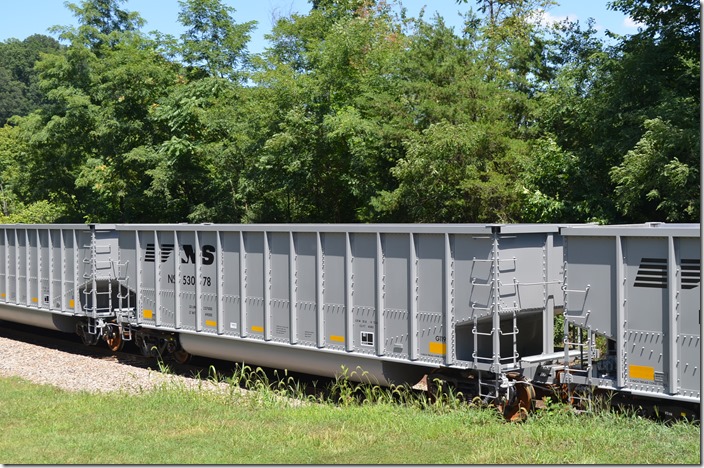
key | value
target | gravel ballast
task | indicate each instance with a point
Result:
(82, 373)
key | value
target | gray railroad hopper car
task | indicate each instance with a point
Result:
(301, 297)
(639, 286)
(473, 305)
(40, 272)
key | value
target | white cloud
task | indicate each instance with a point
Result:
(545, 18)
(630, 23)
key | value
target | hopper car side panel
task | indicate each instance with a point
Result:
(53, 275)
(42, 272)
(324, 289)
(639, 287)
(458, 296)
(304, 288)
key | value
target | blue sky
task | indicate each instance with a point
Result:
(22, 18)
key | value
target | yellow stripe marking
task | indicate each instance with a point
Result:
(338, 338)
(211, 323)
(147, 313)
(257, 328)
(642, 372)
(438, 348)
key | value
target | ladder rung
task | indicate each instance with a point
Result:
(102, 249)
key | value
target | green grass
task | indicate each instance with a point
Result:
(172, 425)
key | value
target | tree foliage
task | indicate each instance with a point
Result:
(354, 113)
(657, 177)
(213, 42)
(19, 89)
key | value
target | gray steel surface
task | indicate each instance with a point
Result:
(434, 294)
(640, 286)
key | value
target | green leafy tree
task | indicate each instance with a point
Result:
(101, 24)
(608, 108)
(19, 90)
(548, 175)
(128, 84)
(658, 178)
(199, 165)
(454, 173)
(328, 151)
(558, 177)
(81, 147)
(355, 113)
(462, 160)
(205, 119)
(213, 41)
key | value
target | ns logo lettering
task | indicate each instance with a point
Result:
(189, 254)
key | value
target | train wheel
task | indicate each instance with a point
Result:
(181, 356)
(114, 340)
(87, 338)
(521, 402)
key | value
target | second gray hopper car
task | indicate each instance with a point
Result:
(638, 287)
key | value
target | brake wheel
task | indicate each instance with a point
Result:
(521, 402)
(114, 340)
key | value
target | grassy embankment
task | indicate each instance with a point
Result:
(173, 425)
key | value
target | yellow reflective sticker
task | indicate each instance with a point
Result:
(641, 372)
(71, 303)
(3, 295)
(338, 338)
(438, 348)
(34, 299)
(211, 323)
(257, 328)
(147, 313)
